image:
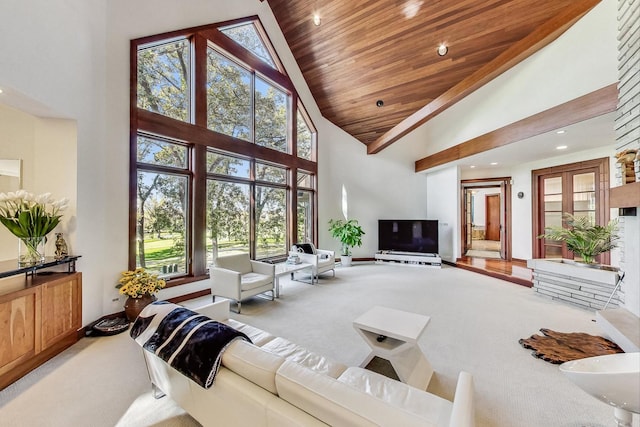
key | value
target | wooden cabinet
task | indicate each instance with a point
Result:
(39, 317)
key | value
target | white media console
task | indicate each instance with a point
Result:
(409, 258)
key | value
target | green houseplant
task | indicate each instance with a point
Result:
(583, 238)
(349, 233)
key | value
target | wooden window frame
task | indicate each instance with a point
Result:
(198, 137)
(601, 168)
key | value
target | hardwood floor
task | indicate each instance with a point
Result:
(514, 271)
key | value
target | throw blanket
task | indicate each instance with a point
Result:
(189, 342)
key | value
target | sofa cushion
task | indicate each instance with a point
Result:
(253, 363)
(257, 336)
(304, 357)
(433, 409)
(338, 403)
(250, 281)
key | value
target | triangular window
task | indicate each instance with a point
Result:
(248, 36)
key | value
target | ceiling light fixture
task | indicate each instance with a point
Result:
(379, 103)
(561, 147)
(0, 90)
(442, 49)
(560, 132)
(472, 166)
(494, 163)
(316, 19)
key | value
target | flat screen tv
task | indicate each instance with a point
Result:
(408, 235)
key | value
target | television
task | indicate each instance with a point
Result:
(408, 235)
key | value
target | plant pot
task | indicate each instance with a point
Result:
(345, 260)
(133, 306)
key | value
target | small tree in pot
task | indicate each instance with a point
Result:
(349, 233)
(583, 238)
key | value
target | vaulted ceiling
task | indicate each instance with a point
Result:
(364, 51)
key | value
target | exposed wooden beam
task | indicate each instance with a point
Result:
(536, 40)
(592, 105)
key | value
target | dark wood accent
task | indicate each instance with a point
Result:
(42, 315)
(601, 169)
(189, 296)
(492, 217)
(505, 188)
(542, 35)
(559, 347)
(369, 50)
(514, 271)
(592, 105)
(195, 134)
(161, 125)
(625, 196)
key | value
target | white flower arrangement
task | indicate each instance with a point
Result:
(27, 215)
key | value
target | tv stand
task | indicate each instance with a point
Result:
(414, 259)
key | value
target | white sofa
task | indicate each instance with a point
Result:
(274, 382)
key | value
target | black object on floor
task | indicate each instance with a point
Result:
(111, 326)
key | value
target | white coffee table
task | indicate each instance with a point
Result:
(400, 332)
(283, 269)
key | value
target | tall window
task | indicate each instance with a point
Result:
(162, 206)
(218, 143)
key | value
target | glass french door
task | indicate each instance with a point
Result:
(576, 190)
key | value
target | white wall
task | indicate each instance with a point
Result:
(443, 204)
(378, 187)
(47, 148)
(53, 53)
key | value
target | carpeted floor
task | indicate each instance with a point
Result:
(476, 322)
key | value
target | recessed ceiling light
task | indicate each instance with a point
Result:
(0, 90)
(560, 132)
(472, 166)
(442, 49)
(379, 103)
(316, 19)
(494, 163)
(561, 147)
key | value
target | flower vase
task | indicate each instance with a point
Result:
(31, 250)
(133, 306)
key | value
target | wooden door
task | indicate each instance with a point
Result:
(492, 217)
(579, 189)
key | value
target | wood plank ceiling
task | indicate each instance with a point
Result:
(369, 50)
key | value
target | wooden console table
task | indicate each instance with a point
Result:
(41, 308)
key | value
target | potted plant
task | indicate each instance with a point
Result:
(349, 233)
(30, 218)
(140, 286)
(584, 239)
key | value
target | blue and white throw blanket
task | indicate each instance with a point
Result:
(189, 342)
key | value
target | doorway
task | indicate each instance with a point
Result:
(486, 218)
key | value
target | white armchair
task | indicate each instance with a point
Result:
(238, 277)
(321, 260)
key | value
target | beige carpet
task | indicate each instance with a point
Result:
(476, 322)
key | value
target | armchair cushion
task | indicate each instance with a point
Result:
(240, 263)
(250, 281)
